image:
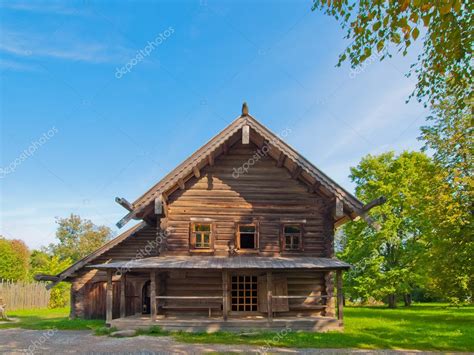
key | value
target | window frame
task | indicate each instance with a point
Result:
(192, 236)
(283, 237)
(256, 237)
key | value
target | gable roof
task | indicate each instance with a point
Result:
(91, 257)
(215, 147)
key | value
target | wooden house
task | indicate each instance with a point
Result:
(239, 235)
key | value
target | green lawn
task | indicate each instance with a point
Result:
(47, 319)
(421, 327)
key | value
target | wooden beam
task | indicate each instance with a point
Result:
(338, 208)
(124, 203)
(269, 296)
(129, 216)
(225, 148)
(315, 187)
(246, 134)
(210, 158)
(123, 286)
(225, 294)
(159, 205)
(296, 172)
(181, 184)
(197, 173)
(340, 296)
(109, 298)
(153, 310)
(281, 160)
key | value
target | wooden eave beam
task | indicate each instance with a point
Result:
(124, 203)
(197, 172)
(296, 173)
(281, 160)
(181, 184)
(225, 148)
(210, 159)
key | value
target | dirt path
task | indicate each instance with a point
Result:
(19, 341)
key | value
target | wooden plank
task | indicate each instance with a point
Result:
(123, 285)
(245, 134)
(109, 298)
(225, 294)
(153, 309)
(339, 208)
(269, 296)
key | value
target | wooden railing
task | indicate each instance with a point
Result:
(271, 297)
(209, 307)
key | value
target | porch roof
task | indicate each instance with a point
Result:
(216, 262)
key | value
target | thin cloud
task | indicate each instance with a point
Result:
(66, 47)
(55, 8)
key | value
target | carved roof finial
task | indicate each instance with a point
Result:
(245, 109)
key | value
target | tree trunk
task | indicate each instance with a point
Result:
(392, 301)
(407, 300)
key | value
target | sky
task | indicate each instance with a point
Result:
(100, 99)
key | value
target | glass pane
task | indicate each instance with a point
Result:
(247, 241)
(292, 229)
(247, 229)
(202, 227)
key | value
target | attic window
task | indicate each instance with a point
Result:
(247, 237)
(201, 235)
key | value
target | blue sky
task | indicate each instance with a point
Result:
(92, 134)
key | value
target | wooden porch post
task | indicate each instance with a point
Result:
(225, 294)
(269, 295)
(123, 285)
(340, 299)
(109, 298)
(153, 310)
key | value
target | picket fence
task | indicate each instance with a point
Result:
(23, 295)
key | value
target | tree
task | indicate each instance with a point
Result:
(451, 140)
(42, 263)
(443, 68)
(14, 258)
(387, 263)
(78, 237)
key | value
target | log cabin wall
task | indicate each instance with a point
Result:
(266, 194)
(88, 286)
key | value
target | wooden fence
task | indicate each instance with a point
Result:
(23, 295)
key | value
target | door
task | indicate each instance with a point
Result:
(280, 288)
(146, 298)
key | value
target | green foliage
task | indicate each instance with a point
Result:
(423, 242)
(153, 331)
(42, 263)
(443, 68)
(386, 262)
(78, 237)
(14, 259)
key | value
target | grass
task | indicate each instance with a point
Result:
(421, 327)
(48, 319)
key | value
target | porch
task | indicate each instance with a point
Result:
(231, 324)
(231, 293)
